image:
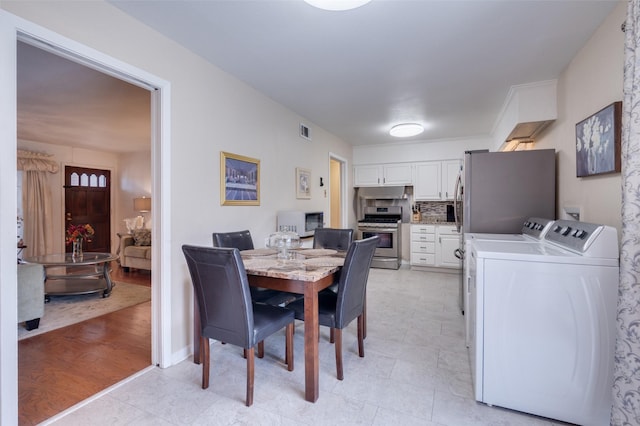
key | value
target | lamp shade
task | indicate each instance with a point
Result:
(142, 204)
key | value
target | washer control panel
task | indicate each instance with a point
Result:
(585, 238)
(537, 227)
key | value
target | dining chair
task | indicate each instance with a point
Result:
(333, 238)
(242, 241)
(337, 310)
(226, 311)
(337, 239)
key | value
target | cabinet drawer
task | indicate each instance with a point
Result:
(448, 230)
(423, 237)
(425, 259)
(423, 229)
(423, 247)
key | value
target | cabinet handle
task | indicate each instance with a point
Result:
(440, 194)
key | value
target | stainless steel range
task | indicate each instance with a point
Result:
(385, 223)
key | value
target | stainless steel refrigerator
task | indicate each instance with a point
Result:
(500, 190)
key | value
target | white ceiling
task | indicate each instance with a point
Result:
(445, 64)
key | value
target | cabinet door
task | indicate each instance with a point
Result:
(397, 174)
(427, 181)
(450, 171)
(445, 251)
(366, 175)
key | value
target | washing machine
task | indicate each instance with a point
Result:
(533, 231)
(542, 321)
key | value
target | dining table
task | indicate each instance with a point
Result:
(303, 271)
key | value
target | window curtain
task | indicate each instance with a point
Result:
(36, 201)
(626, 385)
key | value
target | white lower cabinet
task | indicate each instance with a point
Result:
(423, 245)
(435, 245)
(448, 241)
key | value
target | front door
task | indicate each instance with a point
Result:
(87, 199)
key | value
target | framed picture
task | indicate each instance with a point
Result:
(303, 183)
(598, 142)
(239, 180)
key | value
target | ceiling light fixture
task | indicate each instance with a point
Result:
(337, 5)
(406, 130)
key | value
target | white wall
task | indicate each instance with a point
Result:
(409, 152)
(592, 81)
(133, 181)
(211, 112)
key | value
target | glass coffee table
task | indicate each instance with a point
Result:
(67, 275)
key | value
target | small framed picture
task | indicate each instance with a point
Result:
(303, 183)
(598, 142)
(239, 180)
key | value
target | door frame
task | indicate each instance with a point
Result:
(344, 214)
(12, 29)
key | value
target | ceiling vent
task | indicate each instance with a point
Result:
(305, 132)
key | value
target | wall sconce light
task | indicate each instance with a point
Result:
(321, 182)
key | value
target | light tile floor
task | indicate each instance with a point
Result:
(415, 372)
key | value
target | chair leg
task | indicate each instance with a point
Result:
(261, 349)
(364, 317)
(331, 336)
(204, 358)
(338, 344)
(289, 347)
(361, 331)
(250, 363)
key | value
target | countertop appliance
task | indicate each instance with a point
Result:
(543, 322)
(385, 223)
(533, 231)
(303, 223)
(500, 190)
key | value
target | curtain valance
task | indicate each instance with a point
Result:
(36, 161)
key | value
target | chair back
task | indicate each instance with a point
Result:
(333, 238)
(222, 291)
(240, 239)
(353, 280)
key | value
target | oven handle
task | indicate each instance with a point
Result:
(378, 229)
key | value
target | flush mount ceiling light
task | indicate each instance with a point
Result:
(337, 5)
(405, 130)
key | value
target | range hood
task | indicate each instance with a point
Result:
(382, 192)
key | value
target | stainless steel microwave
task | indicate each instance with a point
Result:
(303, 223)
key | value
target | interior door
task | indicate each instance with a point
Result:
(87, 199)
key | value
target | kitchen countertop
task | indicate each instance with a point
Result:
(432, 222)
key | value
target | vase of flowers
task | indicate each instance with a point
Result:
(76, 234)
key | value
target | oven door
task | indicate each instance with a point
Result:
(388, 244)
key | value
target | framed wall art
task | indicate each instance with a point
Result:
(303, 183)
(239, 180)
(598, 142)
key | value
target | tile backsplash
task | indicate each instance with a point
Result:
(433, 210)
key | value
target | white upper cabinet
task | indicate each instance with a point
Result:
(427, 181)
(450, 172)
(383, 175)
(435, 180)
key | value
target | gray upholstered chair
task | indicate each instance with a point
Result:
(30, 294)
(226, 311)
(242, 241)
(337, 310)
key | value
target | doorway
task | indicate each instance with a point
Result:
(14, 30)
(337, 191)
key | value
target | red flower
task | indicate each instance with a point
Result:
(79, 232)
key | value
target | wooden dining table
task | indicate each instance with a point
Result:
(307, 272)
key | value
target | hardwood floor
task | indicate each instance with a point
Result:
(65, 366)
